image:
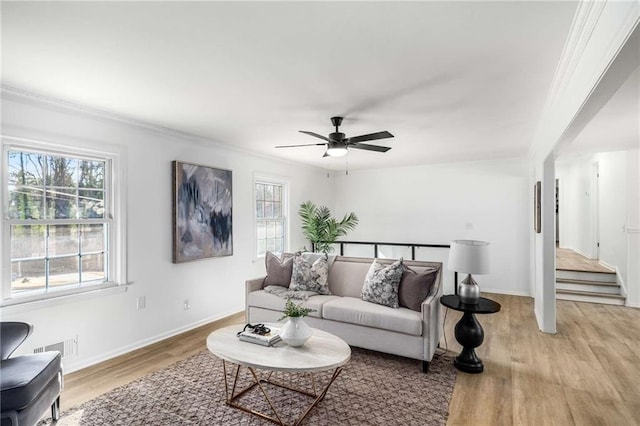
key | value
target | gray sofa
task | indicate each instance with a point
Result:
(402, 331)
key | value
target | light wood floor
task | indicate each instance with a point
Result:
(587, 374)
(569, 260)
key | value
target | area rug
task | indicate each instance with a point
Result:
(373, 389)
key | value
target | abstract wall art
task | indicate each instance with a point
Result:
(202, 212)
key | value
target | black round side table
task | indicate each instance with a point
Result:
(468, 331)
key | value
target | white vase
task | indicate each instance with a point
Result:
(295, 331)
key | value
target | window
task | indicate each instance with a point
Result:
(271, 221)
(59, 230)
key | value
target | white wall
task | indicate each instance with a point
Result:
(614, 196)
(576, 230)
(108, 325)
(439, 203)
(633, 228)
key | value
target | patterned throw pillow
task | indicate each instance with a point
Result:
(310, 277)
(381, 284)
(415, 287)
(278, 270)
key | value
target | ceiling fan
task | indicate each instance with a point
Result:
(337, 143)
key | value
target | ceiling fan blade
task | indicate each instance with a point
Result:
(370, 137)
(295, 146)
(368, 147)
(314, 134)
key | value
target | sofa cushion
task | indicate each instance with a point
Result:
(415, 287)
(381, 284)
(310, 277)
(278, 269)
(23, 378)
(262, 299)
(356, 311)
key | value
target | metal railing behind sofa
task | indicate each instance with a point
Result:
(413, 251)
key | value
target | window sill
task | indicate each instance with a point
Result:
(41, 301)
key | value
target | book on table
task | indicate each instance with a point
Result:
(268, 339)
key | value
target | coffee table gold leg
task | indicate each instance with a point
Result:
(255, 377)
(320, 397)
(258, 382)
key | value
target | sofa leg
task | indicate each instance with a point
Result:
(55, 409)
(425, 366)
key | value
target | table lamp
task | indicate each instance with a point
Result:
(469, 257)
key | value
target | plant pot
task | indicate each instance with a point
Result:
(295, 331)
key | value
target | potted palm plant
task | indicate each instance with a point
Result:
(321, 228)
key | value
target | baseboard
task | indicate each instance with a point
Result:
(606, 265)
(70, 367)
(501, 291)
(581, 253)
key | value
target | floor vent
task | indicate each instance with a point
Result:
(67, 348)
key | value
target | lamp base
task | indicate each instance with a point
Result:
(469, 291)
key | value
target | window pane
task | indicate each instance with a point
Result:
(261, 247)
(279, 229)
(259, 209)
(27, 241)
(259, 191)
(92, 238)
(268, 192)
(268, 209)
(277, 210)
(271, 245)
(25, 202)
(91, 174)
(93, 268)
(278, 248)
(271, 229)
(27, 275)
(63, 239)
(61, 203)
(91, 204)
(61, 172)
(26, 168)
(261, 230)
(277, 193)
(63, 271)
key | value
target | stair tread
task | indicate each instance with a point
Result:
(590, 293)
(582, 270)
(586, 282)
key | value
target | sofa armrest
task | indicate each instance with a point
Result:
(251, 285)
(432, 319)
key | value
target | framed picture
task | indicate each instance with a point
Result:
(537, 205)
(202, 212)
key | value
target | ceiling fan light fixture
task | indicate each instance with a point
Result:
(337, 151)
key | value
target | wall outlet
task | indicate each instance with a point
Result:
(187, 304)
(141, 302)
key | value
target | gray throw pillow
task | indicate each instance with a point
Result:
(415, 287)
(310, 276)
(278, 270)
(381, 284)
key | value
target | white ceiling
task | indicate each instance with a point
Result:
(453, 81)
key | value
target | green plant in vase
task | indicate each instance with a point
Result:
(295, 331)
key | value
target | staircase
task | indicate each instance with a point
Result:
(586, 286)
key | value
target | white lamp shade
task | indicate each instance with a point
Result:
(469, 257)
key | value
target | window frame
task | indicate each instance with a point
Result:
(284, 183)
(114, 217)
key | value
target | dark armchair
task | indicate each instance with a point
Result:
(30, 383)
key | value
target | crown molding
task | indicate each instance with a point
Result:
(25, 96)
(598, 33)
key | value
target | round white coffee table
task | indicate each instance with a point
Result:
(322, 352)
